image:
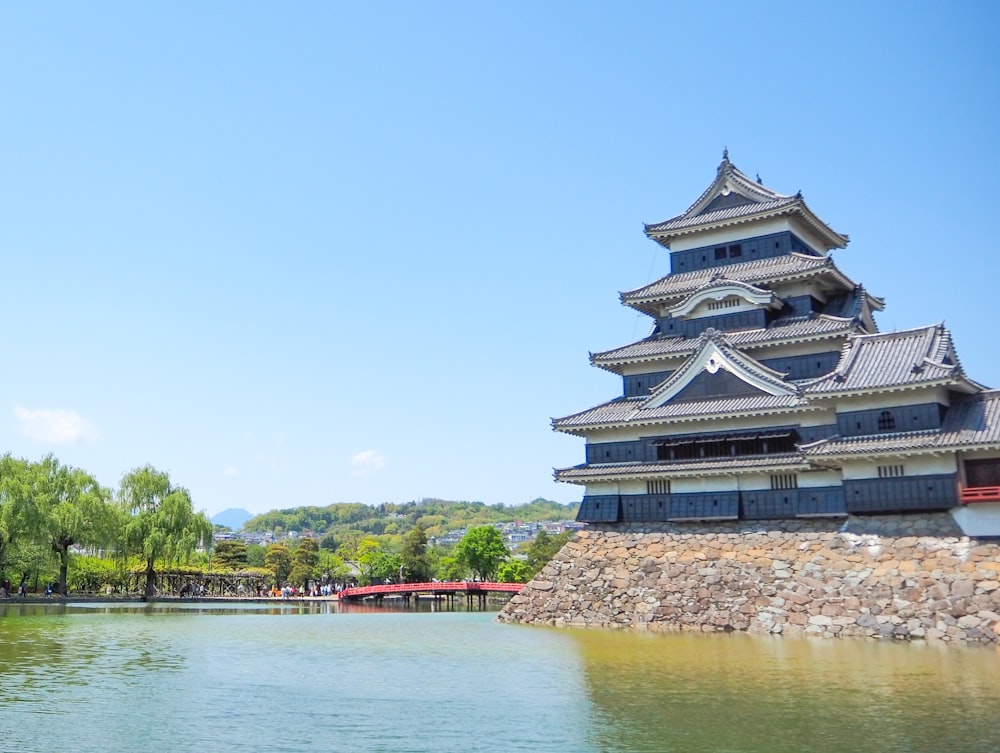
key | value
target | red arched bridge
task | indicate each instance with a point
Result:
(438, 590)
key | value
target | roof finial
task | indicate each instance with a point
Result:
(725, 154)
(759, 181)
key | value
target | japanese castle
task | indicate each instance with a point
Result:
(765, 390)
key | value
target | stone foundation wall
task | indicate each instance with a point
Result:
(881, 577)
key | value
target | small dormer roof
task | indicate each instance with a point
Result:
(670, 290)
(894, 360)
(715, 352)
(734, 198)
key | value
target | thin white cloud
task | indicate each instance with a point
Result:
(54, 426)
(366, 462)
(231, 471)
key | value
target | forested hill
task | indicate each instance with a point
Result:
(438, 516)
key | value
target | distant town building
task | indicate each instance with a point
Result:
(765, 390)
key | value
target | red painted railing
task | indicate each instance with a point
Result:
(449, 587)
(980, 494)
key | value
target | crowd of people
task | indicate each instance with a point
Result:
(22, 590)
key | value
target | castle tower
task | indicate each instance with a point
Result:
(765, 390)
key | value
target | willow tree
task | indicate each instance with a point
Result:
(161, 524)
(19, 516)
(74, 510)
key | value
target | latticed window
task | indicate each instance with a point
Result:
(785, 481)
(886, 421)
(660, 486)
(725, 303)
(890, 471)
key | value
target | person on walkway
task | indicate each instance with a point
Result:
(23, 590)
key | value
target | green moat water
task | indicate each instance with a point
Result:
(148, 679)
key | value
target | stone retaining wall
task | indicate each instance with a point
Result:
(881, 577)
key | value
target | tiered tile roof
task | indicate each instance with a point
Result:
(970, 423)
(629, 410)
(734, 198)
(786, 462)
(893, 360)
(798, 329)
(777, 269)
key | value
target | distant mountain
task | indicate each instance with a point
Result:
(232, 518)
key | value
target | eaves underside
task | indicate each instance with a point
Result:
(674, 347)
(680, 469)
(583, 429)
(665, 232)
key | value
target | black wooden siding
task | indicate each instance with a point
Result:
(802, 305)
(804, 367)
(887, 420)
(759, 247)
(769, 504)
(600, 509)
(642, 384)
(903, 494)
(810, 434)
(618, 452)
(645, 449)
(857, 496)
(720, 384)
(796, 367)
(691, 328)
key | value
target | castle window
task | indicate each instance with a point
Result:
(725, 303)
(661, 486)
(890, 471)
(735, 251)
(785, 481)
(720, 253)
(886, 421)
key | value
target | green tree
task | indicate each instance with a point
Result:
(278, 560)
(75, 510)
(449, 568)
(255, 555)
(367, 552)
(482, 550)
(414, 556)
(385, 566)
(304, 561)
(544, 548)
(19, 515)
(230, 554)
(332, 567)
(514, 571)
(162, 523)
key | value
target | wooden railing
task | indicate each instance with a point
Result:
(430, 588)
(980, 494)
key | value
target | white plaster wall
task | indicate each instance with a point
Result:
(978, 519)
(704, 484)
(916, 465)
(725, 235)
(892, 399)
(601, 489)
(814, 479)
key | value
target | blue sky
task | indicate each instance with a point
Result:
(325, 252)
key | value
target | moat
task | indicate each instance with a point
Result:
(297, 677)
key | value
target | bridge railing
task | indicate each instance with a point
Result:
(441, 587)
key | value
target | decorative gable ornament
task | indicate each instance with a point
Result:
(717, 354)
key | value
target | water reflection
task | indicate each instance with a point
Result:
(740, 693)
(97, 677)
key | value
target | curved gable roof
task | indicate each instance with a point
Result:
(733, 197)
(892, 360)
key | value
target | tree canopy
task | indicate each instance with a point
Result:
(482, 550)
(162, 524)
